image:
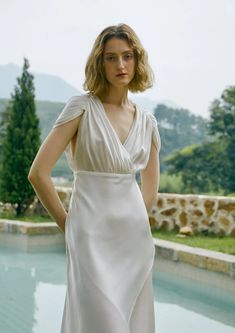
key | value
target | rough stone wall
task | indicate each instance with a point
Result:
(64, 195)
(207, 214)
(36, 208)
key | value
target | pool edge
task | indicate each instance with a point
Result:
(201, 258)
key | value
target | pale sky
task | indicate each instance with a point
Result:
(190, 43)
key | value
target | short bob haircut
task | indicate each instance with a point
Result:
(95, 80)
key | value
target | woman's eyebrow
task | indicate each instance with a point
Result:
(128, 51)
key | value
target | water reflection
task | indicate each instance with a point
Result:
(189, 300)
(32, 291)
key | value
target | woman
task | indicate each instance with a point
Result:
(106, 138)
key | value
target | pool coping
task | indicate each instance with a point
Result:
(195, 256)
(201, 258)
(28, 228)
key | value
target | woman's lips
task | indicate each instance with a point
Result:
(122, 74)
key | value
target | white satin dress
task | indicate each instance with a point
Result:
(109, 247)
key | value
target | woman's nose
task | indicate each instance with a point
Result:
(120, 63)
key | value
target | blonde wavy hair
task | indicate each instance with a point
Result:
(95, 80)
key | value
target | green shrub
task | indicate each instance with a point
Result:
(171, 183)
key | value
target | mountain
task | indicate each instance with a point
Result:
(47, 87)
(55, 89)
(149, 105)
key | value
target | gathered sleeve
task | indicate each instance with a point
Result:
(155, 133)
(75, 107)
(72, 109)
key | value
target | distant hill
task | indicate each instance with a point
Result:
(149, 105)
(48, 87)
(55, 89)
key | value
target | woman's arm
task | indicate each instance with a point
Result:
(40, 172)
(150, 178)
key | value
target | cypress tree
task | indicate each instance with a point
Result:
(20, 144)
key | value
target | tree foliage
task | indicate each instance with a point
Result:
(3, 126)
(20, 143)
(222, 115)
(178, 128)
(210, 166)
(199, 167)
(222, 126)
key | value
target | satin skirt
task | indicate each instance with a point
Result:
(110, 254)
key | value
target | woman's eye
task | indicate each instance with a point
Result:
(113, 58)
(110, 58)
(128, 56)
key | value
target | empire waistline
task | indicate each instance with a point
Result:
(131, 174)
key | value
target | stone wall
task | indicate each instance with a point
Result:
(64, 195)
(207, 214)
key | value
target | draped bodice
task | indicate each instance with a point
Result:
(98, 147)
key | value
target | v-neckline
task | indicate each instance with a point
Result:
(111, 126)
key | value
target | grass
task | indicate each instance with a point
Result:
(34, 218)
(225, 244)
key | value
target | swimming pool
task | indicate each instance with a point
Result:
(32, 291)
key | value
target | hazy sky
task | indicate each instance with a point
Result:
(190, 42)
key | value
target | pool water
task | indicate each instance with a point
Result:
(33, 286)
(190, 300)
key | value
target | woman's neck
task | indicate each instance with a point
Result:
(117, 97)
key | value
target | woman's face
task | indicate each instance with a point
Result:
(119, 62)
